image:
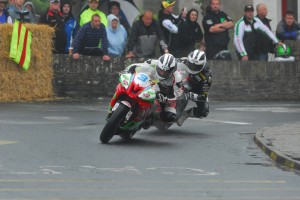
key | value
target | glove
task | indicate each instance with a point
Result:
(161, 98)
(195, 97)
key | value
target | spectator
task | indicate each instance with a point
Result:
(143, 37)
(115, 8)
(54, 18)
(288, 28)
(91, 39)
(169, 24)
(183, 13)
(189, 33)
(11, 3)
(266, 45)
(216, 24)
(29, 6)
(116, 35)
(3, 12)
(20, 13)
(86, 15)
(70, 23)
(246, 35)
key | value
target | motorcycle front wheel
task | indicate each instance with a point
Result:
(113, 123)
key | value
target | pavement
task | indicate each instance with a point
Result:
(281, 143)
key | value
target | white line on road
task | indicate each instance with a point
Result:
(221, 121)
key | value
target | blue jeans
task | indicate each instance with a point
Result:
(262, 57)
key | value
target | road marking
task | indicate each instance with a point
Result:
(25, 123)
(145, 189)
(127, 169)
(139, 181)
(183, 171)
(221, 121)
(3, 142)
(262, 109)
(58, 118)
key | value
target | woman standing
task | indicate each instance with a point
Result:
(189, 33)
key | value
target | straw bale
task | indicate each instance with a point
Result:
(35, 83)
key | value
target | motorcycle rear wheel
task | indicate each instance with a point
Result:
(110, 128)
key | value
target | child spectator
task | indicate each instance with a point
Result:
(116, 35)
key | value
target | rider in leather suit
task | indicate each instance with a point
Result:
(197, 84)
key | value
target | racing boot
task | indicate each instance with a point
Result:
(184, 115)
(148, 122)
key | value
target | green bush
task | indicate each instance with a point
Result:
(40, 6)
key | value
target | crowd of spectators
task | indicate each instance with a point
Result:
(95, 33)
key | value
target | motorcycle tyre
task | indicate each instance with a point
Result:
(114, 121)
(126, 136)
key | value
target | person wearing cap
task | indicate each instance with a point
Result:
(70, 22)
(266, 45)
(246, 39)
(115, 8)
(20, 13)
(91, 39)
(169, 24)
(143, 37)
(86, 15)
(288, 28)
(3, 12)
(216, 24)
(54, 18)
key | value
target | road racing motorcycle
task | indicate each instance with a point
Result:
(133, 100)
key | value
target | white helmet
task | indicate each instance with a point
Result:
(196, 61)
(166, 66)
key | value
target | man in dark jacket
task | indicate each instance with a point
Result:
(266, 44)
(246, 39)
(169, 24)
(288, 28)
(142, 39)
(54, 18)
(216, 24)
(91, 39)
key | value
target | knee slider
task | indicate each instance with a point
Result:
(167, 116)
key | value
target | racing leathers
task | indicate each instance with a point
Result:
(196, 87)
(167, 91)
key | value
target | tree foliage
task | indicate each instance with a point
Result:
(40, 5)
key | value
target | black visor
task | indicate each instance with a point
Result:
(194, 67)
(163, 73)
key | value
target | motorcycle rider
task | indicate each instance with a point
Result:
(196, 85)
(168, 87)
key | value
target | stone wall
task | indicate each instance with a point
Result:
(90, 77)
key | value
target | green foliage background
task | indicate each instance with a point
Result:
(40, 5)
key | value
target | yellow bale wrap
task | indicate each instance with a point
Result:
(35, 83)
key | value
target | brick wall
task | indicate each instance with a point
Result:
(91, 77)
